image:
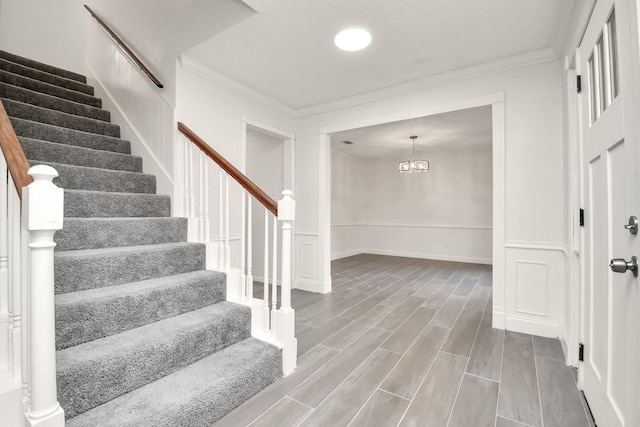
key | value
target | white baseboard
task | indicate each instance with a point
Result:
(569, 346)
(345, 254)
(532, 326)
(311, 285)
(564, 342)
(498, 320)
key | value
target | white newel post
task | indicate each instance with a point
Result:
(42, 212)
(286, 314)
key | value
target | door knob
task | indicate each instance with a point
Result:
(632, 226)
(619, 265)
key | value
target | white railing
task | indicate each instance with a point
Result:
(272, 317)
(28, 394)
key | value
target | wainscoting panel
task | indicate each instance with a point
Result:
(532, 283)
(307, 260)
(442, 242)
(307, 269)
(534, 293)
(145, 118)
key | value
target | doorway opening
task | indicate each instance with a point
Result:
(444, 213)
(495, 244)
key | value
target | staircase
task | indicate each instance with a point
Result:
(144, 335)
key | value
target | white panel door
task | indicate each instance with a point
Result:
(610, 149)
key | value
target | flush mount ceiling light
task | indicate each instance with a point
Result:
(352, 39)
(413, 166)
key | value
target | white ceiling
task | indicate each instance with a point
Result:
(285, 51)
(468, 129)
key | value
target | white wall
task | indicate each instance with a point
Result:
(52, 32)
(347, 205)
(445, 213)
(145, 117)
(533, 183)
(265, 167)
(441, 214)
(219, 117)
(534, 214)
(158, 31)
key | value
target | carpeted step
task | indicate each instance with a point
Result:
(43, 67)
(95, 179)
(45, 151)
(95, 372)
(43, 76)
(53, 117)
(100, 204)
(195, 396)
(45, 132)
(143, 333)
(49, 89)
(96, 233)
(97, 313)
(52, 102)
(95, 268)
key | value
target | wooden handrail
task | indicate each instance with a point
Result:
(240, 178)
(126, 49)
(13, 153)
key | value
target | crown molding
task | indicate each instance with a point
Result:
(460, 74)
(198, 68)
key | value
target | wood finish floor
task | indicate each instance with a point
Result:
(408, 342)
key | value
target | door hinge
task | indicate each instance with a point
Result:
(581, 352)
(579, 83)
(581, 217)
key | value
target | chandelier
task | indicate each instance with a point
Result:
(413, 166)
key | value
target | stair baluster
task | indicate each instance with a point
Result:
(249, 277)
(265, 297)
(13, 365)
(269, 323)
(274, 281)
(243, 251)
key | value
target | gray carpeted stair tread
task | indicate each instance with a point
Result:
(29, 96)
(96, 313)
(95, 372)
(52, 133)
(53, 117)
(95, 268)
(96, 179)
(45, 151)
(43, 67)
(44, 76)
(143, 331)
(101, 204)
(49, 89)
(195, 396)
(96, 233)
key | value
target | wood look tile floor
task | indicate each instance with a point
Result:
(408, 342)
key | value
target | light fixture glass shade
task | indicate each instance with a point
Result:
(413, 166)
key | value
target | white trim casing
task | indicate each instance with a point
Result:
(497, 101)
